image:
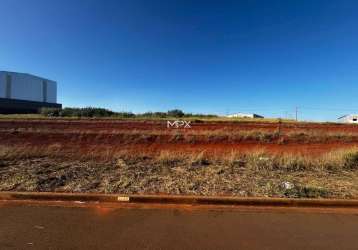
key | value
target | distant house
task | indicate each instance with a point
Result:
(244, 115)
(352, 118)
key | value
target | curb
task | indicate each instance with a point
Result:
(184, 200)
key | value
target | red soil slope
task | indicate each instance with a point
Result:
(86, 135)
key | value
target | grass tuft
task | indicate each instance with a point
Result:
(307, 192)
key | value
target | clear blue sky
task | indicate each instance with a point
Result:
(200, 56)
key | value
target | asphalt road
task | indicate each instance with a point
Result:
(42, 226)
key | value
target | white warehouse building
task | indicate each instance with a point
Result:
(244, 115)
(351, 118)
(25, 93)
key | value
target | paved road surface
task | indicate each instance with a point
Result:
(41, 226)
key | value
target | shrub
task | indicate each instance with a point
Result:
(101, 112)
(351, 160)
(199, 159)
(82, 112)
(95, 112)
(169, 158)
(50, 112)
(176, 113)
(124, 115)
(154, 114)
(68, 112)
(307, 192)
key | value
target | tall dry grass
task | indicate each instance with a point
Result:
(338, 160)
(224, 135)
(334, 161)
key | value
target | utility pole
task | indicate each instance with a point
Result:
(296, 113)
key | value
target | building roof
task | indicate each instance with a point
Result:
(244, 114)
(239, 113)
(20, 73)
(346, 116)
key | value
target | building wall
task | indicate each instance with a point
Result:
(25, 87)
(242, 115)
(13, 106)
(28, 87)
(349, 119)
(51, 92)
(2, 85)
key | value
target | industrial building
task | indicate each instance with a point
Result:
(243, 115)
(25, 93)
(351, 118)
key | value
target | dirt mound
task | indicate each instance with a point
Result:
(150, 136)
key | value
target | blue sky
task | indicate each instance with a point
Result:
(200, 56)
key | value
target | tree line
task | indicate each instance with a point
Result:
(101, 112)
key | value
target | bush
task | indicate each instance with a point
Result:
(67, 112)
(95, 112)
(80, 112)
(154, 114)
(351, 160)
(101, 112)
(124, 115)
(50, 112)
(176, 113)
(307, 192)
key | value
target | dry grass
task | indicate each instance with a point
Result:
(190, 118)
(106, 161)
(224, 135)
(116, 171)
(333, 161)
(258, 160)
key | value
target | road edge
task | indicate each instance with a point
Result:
(175, 199)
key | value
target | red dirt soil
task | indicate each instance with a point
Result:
(119, 125)
(86, 135)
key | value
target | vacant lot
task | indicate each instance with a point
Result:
(211, 158)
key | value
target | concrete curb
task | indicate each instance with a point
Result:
(168, 199)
